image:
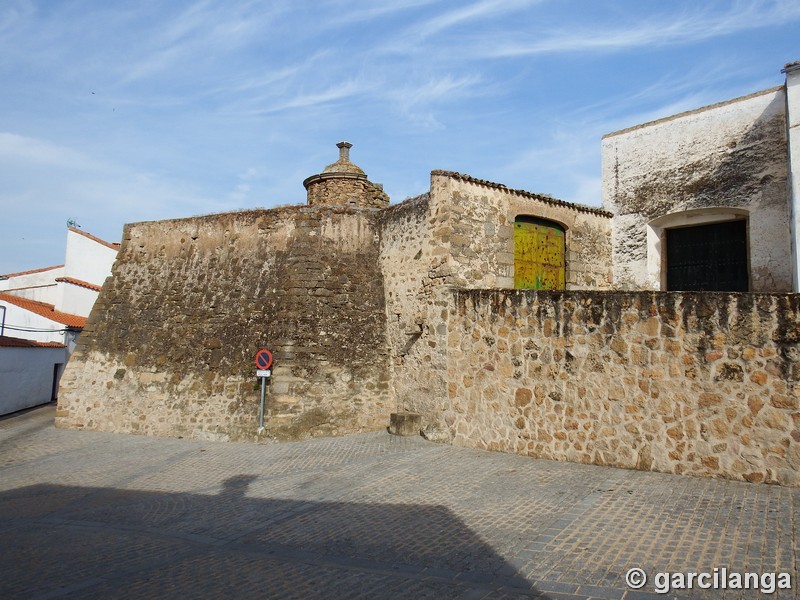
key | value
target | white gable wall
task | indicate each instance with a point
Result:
(793, 121)
(39, 286)
(41, 328)
(75, 299)
(709, 165)
(87, 259)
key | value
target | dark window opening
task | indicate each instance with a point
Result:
(710, 258)
(56, 377)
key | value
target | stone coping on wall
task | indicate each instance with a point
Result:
(523, 193)
(417, 202)
(285, 209)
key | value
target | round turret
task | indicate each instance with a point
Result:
(343, 183)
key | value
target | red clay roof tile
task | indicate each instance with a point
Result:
(46, 310)
(81, 283)
(31, 272)
(114, 246)
(12, 342)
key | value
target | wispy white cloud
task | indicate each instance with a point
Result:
(484, 9)
(417, 102)
(349, 13)
(700, 24)
(21, 149)
(202, 31)
(446, 87)
(302, 99)
(413, 37)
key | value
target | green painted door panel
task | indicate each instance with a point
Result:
(538, 255)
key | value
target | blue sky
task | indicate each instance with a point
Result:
(114, 112)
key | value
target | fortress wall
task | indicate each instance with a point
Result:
(697, 383)
(169, 346)
(417, 307)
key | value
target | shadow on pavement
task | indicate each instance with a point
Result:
(77, 541)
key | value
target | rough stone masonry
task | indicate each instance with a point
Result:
(371, 309)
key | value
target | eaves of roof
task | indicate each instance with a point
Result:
(112, 245)
(45, 310)
(13, 342)
(78, 282)
(31, 272)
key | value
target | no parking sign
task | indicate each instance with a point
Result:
(263, 363)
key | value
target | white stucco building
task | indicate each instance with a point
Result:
(709, 199)
(42, 312)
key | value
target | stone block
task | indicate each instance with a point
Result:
(405, 423)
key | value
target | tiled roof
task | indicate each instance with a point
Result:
(12, 342)
(792, 66)
(113, 246)
(45, 310)
(31, 272)
(85, 284)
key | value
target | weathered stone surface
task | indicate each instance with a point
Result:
(405, 423)
(169, 346)
(371, 312)
(739, 425)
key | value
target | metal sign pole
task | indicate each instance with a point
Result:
(263, 364)
(261, 411)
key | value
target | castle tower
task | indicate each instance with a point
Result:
(344, 184)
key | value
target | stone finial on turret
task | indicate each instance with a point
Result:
(344, 151)
(343, 183)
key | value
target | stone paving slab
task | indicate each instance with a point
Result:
(87, 514)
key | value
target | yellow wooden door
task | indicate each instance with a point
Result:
(538, 254)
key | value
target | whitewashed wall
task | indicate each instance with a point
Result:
(721, 162)
(39, 285)
(46, 330)
(793, 119)
(76, 299)
(87, 259)
(26, 376)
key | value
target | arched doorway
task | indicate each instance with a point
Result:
(539, 249)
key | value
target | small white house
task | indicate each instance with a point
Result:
(42, 312)
(29, 372)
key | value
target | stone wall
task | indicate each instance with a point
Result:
(712, 164)
(343, 190)
(417, 304)
(703, 384)
(461, 234)
(169, 346)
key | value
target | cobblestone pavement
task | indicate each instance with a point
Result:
(86, 514)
